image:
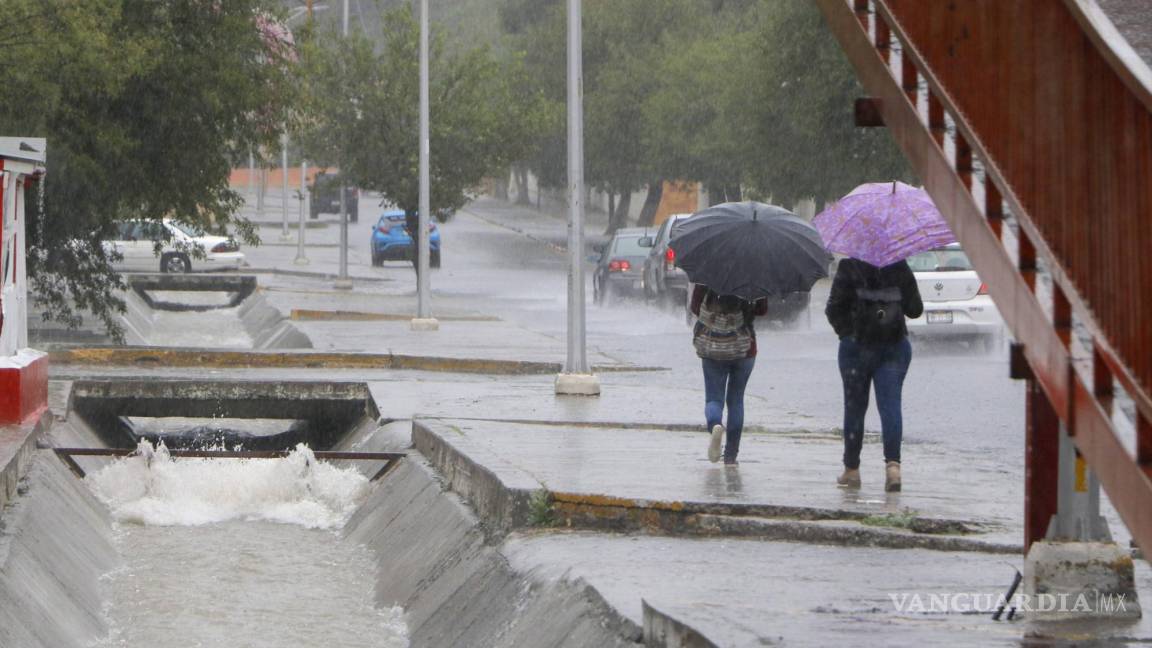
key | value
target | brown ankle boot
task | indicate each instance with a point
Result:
(850, 478)
(892, 477)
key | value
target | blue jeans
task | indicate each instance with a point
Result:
(724, 383)
(862, 365)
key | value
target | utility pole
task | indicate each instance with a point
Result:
(343, 282)
(576, 379)
(305, 204)
(284, 236)
(424, 320)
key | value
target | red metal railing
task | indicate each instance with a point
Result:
(1031, 109)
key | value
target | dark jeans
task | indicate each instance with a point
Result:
(724, 383)
(861, 365)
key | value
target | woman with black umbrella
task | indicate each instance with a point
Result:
(739, 254)
(725, 341)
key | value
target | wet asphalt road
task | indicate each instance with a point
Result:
(954, 396)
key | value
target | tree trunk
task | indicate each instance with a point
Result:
(619, 217)
(611, 204)
(500, 190)
(722, 193)
(522, 197)
(651, 203)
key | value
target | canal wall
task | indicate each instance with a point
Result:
(436, 560)
(434, 557)
(55, 544)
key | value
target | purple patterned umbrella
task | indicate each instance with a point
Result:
(882, 223)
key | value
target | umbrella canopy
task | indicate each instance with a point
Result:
(882, 223)
(750, 250)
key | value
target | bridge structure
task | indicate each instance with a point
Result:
(1030, 124)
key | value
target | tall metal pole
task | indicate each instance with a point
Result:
(301, 256)
(423, 253)
(342, 280)
(284, 180)
(251, 171)
(576, 379)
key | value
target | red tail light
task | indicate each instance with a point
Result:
(670, 258)
(382, 229)
(983, 289)
(619, 265)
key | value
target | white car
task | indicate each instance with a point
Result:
(136, 244)
(956, 302)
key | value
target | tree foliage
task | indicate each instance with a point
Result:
(751, 95)
(361, 112)
(143, 103)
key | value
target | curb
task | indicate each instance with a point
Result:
(185, 357)
(508, 506)
(306, 315)
(314, 275)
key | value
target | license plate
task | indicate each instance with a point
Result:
(636, 285)
(942, 317)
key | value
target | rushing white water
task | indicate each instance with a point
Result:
(231, 552)
(217, 329)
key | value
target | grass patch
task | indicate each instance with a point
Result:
(540, 510)
(905, 519)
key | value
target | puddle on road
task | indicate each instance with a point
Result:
(231, 552)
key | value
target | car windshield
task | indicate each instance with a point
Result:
(188, 229)
(628, 246)
(945, 260)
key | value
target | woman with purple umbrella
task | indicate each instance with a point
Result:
(877, 226)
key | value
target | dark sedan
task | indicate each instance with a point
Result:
(619, 270)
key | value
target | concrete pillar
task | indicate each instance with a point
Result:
(1075, 571)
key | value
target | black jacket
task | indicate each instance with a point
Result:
(853, 274)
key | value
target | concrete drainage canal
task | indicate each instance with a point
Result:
(190, 311)
(188, 513)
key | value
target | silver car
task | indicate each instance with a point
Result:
(661, 278)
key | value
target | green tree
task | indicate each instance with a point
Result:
(807, 144)
(143, 103)
(362, 113)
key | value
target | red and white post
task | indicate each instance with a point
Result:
(23, 371)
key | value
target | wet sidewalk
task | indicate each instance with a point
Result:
(606, 476)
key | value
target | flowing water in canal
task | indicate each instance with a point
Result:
(239, 553)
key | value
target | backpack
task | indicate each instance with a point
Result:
(722, 330)
(879, 313)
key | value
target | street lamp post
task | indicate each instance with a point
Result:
(343, 282)
(424, 320)
(301, 256)
(576, 379)
(284, 235)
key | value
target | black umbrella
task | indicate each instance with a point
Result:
(750, 250)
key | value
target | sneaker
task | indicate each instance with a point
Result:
(892, 477)
(731, 461)
(714, 443)
(850, 478)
